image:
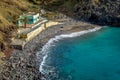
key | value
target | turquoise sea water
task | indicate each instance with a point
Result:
(93, 56)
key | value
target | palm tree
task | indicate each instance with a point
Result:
(25, 20)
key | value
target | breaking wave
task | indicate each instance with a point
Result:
(46, 48)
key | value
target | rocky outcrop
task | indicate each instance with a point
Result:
(106, 12)
(98, 11)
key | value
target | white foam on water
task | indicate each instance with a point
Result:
(46, 47)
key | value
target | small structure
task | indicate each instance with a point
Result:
(42, 11)
(29, 18)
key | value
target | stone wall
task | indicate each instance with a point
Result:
(37, 31)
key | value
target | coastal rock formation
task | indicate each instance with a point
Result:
(106, 12)
(98, 11)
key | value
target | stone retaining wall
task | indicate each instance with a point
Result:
(37, 31)
(31, 34)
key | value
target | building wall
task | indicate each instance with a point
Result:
(20, 23)
(36, 17)
(31, 19)
(35, 32)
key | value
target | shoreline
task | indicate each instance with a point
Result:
(23, 65)
(45, 48)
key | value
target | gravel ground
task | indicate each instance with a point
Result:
(22, 64)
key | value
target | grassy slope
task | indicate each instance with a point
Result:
(8, 10)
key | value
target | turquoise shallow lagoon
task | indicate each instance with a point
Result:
(93, 56)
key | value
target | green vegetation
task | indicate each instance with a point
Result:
(25, 20)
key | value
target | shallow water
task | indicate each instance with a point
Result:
(93, 56)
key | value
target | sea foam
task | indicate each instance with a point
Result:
(46, 47)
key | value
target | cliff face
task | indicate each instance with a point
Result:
(98, 11)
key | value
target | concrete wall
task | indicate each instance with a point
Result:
(37, 31)
(20, 43)
(36, 17)
(34, 33)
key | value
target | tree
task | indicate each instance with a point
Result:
(25, 20)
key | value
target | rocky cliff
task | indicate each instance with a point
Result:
(105, 12)
(98, 11)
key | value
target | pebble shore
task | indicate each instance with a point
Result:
(23, 65)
